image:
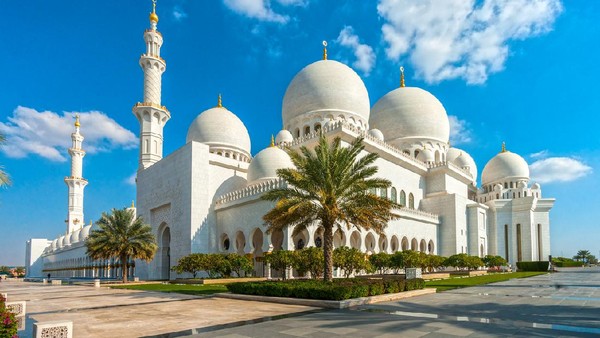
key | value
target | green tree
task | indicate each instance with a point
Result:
(350, 260)
(412, 259)
(473, 262)
(457, 261)
(241, 265)
(281, 260)
(494, 261)
(191, 264)
(583, 255)
(381, 261)
(123, 236)
(330, 187)
(4, 178)
(309, 260)
(433, 262)
(397, 261)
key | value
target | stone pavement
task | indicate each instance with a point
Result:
(564, 304)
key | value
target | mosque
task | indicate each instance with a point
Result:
(206, 195)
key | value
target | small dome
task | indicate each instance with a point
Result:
(66, 240)
(463, 160)
(503, 166)
(410, 112)
(74, 237)
(219, 128)
(535, 186)
(326, 86)
(85, 232)
(60, 242)
(426, 155)
(265, 164)
(284, 136)
(54, 244)
(376, 133)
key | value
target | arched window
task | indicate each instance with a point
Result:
(393, 196)
(317, 127)
(416, 153)
(383, 193)
(306, 130)
(411, 201)
(402, 198)
(511, 185)
(506, 185)
(297, 132)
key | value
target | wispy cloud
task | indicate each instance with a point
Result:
(459, 131)
(558, 169)
(262, 10)
(465, 39)
(539, 154)
(48, 134)
(178, 13)
(131, 179)
(365, 57)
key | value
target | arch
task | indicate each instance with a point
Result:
(437, 156)
(240, 242)
(422, 246)
(404, 243)
(416, 153)
(355, 240)
(165, 251)
(225, 242)
(394, 243)
(297, 132)
(306, 130)
(277, 239)
(318, 237)
(300, 239)
(339, 239)
(394, 195)
(411, 201)
(383, 193)
(383, 243)
(317, 127)
(414, 245)
(370, 243)
(257, 245)
(431, 247)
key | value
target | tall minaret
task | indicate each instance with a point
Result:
(76, 182)
(150, 113)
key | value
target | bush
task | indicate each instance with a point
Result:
(563, 262)
(8, 321)
(350, 260)
(494, 261)
(533, 266)
(381, 261)
(338, 289)
(309, 260)
(215, 265)
(281, 260)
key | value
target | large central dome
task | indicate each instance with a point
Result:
(410, 113)
(329, 88)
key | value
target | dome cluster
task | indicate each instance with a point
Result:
(76, 236)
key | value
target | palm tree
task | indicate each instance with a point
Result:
(583, 255)
(331, 186)
(4, 178)
(121, 235)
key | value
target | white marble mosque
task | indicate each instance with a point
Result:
(206, 195)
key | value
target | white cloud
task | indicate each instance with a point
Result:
(48, 134)
(459, 131)
(558, 169)
(540, 154)
(179, 13)
(365, 57)
(257, 9)
(131, 179)
(465, 39)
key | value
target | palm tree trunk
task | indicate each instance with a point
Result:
(328, 251)
(124, 268)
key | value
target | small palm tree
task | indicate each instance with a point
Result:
(4, 178)
(121, 235)
(583, 255)
(331, 186)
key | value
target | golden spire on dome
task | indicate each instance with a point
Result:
(153, 16)
(324, 50)
(219, 102)
(77, 124)
(272, 140)
(402, 84)
(132, 204)
(503, 147)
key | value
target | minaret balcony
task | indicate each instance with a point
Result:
(153, 105)
(156, 57)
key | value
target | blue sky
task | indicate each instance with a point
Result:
(516, 71)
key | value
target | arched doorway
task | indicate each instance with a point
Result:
(165, 252)
(414, 245)
(404, 243)
(240, 242)
(257, 244)
(355, 240)
(338, 239)
(394, 243)
(370, 243)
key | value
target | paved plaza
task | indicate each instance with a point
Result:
(563, 304)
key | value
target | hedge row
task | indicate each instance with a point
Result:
(567, 264)
(338, 289)
(533, 266)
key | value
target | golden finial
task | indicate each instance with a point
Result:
(90, 222)
(272, 141)
(402, 84)
(153, 16)
(220, 102)
(503, 147)
(324, 50)
(132, 204)
(77, 124)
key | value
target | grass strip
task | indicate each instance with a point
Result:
(187, 289)
(457, 282)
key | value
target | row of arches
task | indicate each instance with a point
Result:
(86, 267)
(317, 122)
(398, 198)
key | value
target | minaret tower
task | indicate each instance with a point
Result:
(76, 182)
(150, 113)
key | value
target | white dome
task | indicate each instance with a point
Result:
(54, 244)
(410, 112)
(60, 242)
(503, 166)
(326, 86)
(535, 186)
(284, 136)
(221, 129)
(376, 133)
(74, 237)
(265, 164)
(462, 159)
(426, 155)
(85, 232)
(66, 240)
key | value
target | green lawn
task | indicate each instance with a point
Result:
(455, 283)
(187, 289)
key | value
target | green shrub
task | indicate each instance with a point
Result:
(350, 260)
(8, 321)
(567, 264)
(311, 260)
(381, 261)
(533, 266)
(281, 260)
(414, 284)
(338, 289)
